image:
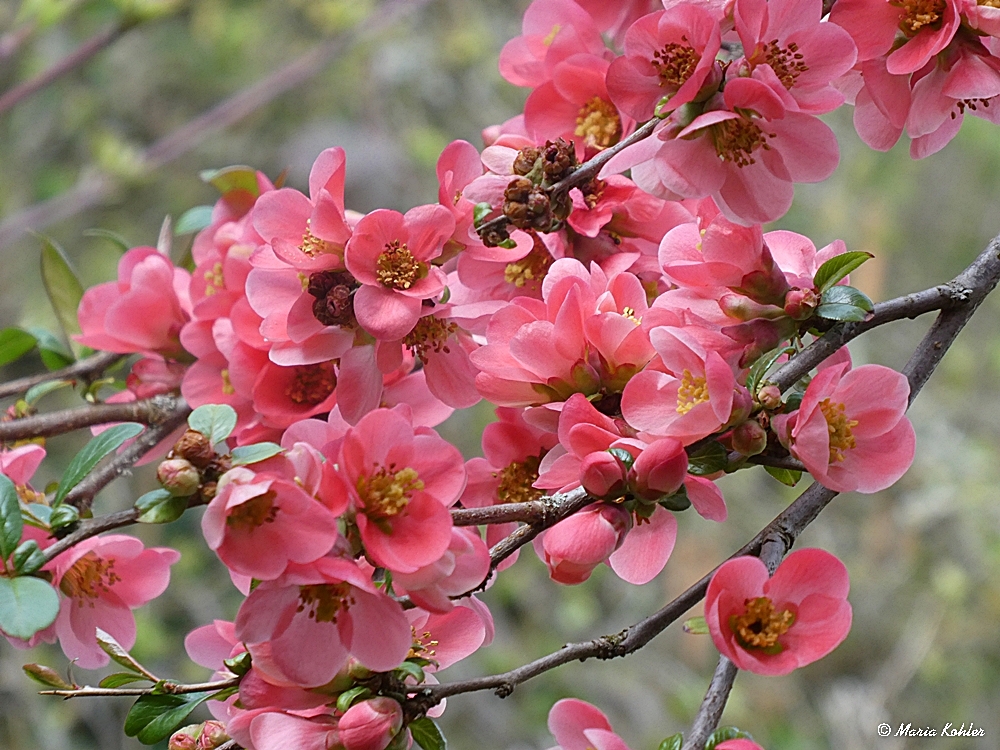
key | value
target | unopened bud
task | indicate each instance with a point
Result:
(195, 447)
(749, 438)
(801, 303)
(743, 308)
(178, 476)
(602, 475)
(185, 738)
(213, 735)
(769, 397)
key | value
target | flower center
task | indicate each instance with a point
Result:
(334, 305)
(387, 492)
(311, 244)
(253, 513)
(760, 626)
(531, 268)
(598, 123)
(516, 480)
(430, 334)
(971, 104)
(989, 3)
(675, 63)
(312, 384)
(736, 140)
(324, 601)
(629, 314)
(839, 426)
(396, 267)
(423, 646)
(919, 13)
(89, 577)
(691, 392)
(786, 62)
(214, 279)
(227, 384)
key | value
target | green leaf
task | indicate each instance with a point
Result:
(844, 313)
(224, 693)
(46, 676)
(788, 477)
(480, 212)
(427, 734)
(409, 669)
(36, 392)
(837, 268)
(844, 303)
(62, 516)
(117, 652)
(624, 456)
(228, 179)
(239, 665)
(251, 454)
(42, 512)
(154, 717)
(346, 699)
(11, 524)
(214, 421)
(159, 506)
(673, 742)
(27, 605)
(194, 220)
(708, 459)
(64, 290)
(14, 344)
(764, 363)
(28, 558)
(695, 626)
(92, 454)
(120, 678)
(725, 733)
(106, 234)
(678, 501)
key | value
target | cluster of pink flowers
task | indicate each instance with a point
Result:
(613, 325)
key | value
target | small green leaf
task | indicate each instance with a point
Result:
(228, 179)
(427, 734)
(46, 676)
(62, 516)
(120, 678)
(117, 652)
(54, 353)
(764, 363)
(154, 717)
(106, 234)
(214, 421)
(35, 393)
(346, 699)
(14, 344)
(64, 290)
(27, 605)
(92, 454)
(224, 693)
(695, 626)
(837, 268)
(159, 506)
(708, 459)
(41, 512)
(194, 220)
(844, 303)
(673, 742)
(28, 558)
(480, 212)
(624, 456)
(725, 733)
(239, 665)
(11, 524)
(251, 454)
(409, 669)
(678, 501)
(788, 477)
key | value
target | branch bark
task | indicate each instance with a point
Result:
(170, 688)
(151, 411)
(86, 370)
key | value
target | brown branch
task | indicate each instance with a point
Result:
(68, 64)
(95, 186)
(532, 511)
(168, 688)
(91, 527)
(151, 411)
(562, 507)
(86, 370)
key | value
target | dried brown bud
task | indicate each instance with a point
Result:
(518, 190)
(558, 160)
(195, 447)
(494, 236)
(525, 160)
(334, 305)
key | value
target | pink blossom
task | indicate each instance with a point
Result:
(390, 256)
(738, 744)
(577, 725)
(850, 430)
(370, 724)
(273, 730)
(103, 579)
(775, 625)
(615, 18)
(447, 638)
(311, 618)
(463, 566)
(575, 546)
(142, 312)
(669, 55)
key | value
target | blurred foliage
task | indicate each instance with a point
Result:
(924, 556)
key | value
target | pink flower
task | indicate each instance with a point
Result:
(311, 618)
(463, 566)
(577, 725)
(390, 255)
(775, 625)
(273, 730)
(103, 579)
(851, 431)
(669, 55)
(370, 724)
(575, 546)
(447, 638)
(738, 744)
(142, 312)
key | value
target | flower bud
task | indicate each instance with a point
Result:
(213, 734)
(195, 447)
(602, 475)
(801, 303)
(769, 397)
(178, 476)
(185, 738)
(743, 308)
(659, 470)
(749, 438)
(371, 724)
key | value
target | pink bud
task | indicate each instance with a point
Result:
(178, 476)
(371, 724)
(602, 475)
(742, 406)
(769, 397)
(185, 738)
(800, 303)
(213, 734)
(743, 308)
(659, 470)
(575, 546)
(749, 438)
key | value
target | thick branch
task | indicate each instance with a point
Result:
(532, 511)
(151, 411)
(91, 527)
(86, 370)
(561, 507)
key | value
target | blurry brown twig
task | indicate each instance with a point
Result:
(151, 411)
(86, 369)
(170, 688)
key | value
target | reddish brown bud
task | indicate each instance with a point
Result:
(178, 476)
(749, 438)
(195, 447)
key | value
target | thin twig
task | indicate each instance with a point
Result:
(91, 527)
(150, 411)
(86, 370)
(169, 688)
(562, 507)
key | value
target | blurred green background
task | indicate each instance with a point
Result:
(96, 149)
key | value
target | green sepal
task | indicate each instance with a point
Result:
(239, 665)
(725, 733)
(788, 477)
(63, 516)
(409, 669)
(28, 558)
(346, 699)
(695, 626)
(674, 742)
(427, 734)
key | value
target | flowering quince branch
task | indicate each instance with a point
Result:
(85, 370)
(164, 687)
(153, 411)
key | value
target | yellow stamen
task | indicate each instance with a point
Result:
(691, 392)
(396, 267)
(89, 577)
(325, 601)
(598, 124)
(840, 427)
(516, 480)
(387, 492)
(760, 626)
(253, 513)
